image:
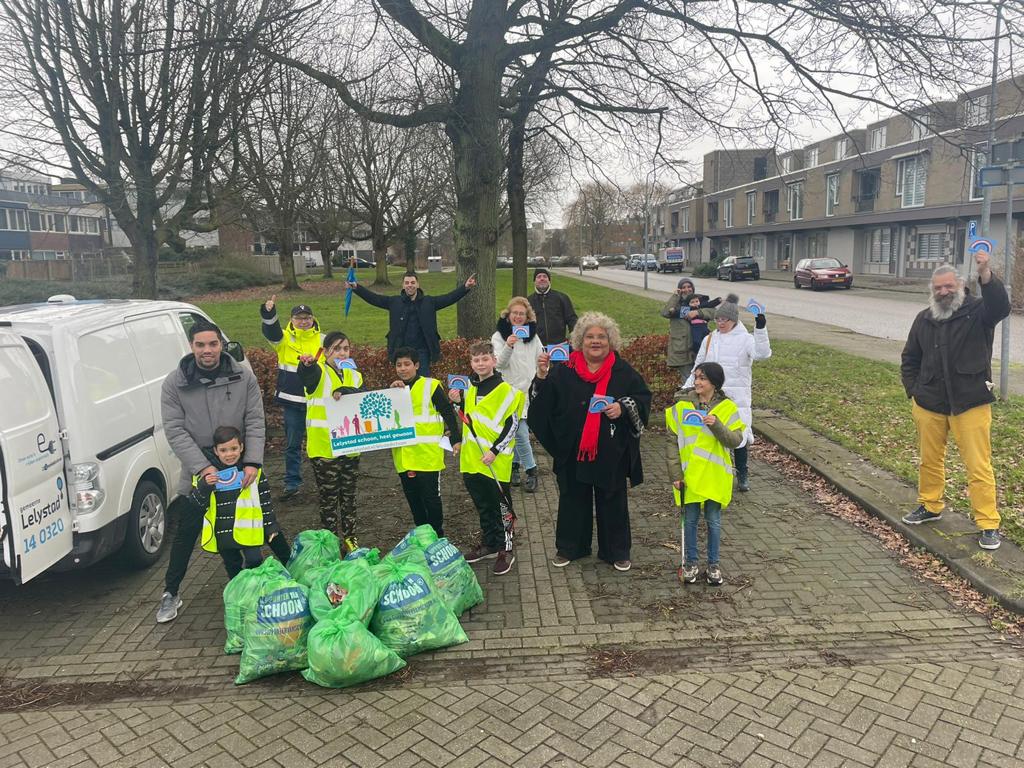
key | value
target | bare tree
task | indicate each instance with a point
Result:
(134, 98)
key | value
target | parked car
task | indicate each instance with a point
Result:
(822, 273)
(672, 260)
(85, 467)
(636, 262)
(632, 259)
(739, 268)
(589, 262)
(311, 260)
(504, 262)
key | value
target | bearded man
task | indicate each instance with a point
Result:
(947, 373)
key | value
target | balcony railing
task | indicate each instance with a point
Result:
(864, 204)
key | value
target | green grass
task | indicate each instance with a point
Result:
(861, 405)
(240, 319)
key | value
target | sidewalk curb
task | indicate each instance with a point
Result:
(952, 539)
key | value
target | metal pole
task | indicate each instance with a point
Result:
(1004, 342)
(647, 226)
(986, 200)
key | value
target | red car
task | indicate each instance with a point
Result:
(822, 273)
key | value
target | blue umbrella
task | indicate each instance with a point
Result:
(351, 278)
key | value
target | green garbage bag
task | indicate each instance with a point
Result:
(276, 630)
(411, 616)
(240, 596)
(349, 584)
(343, 652)
(421, 536)
(453, 576)
(310, 550)
(372, 556)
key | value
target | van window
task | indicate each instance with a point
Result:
(106, 365)
(19, 377)
(159, 344)
(188, 319)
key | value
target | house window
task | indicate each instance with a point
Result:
(929, 247)
(728, 212)
(876, 139)
(842, 148)
(92, 226)
(976, 110)
(977, 161)
(57, 221)
(911, 175)
(713, 215)
(685, 216)
(880, 251)
(13, 219)
(921, 127)
(795, 201)
(811, 158)
(73, 223)
(865, 189)
(35, 222)
(787, 164)
(751, 207)
(675, 220)
(831, 194)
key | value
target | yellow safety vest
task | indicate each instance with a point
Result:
(294, 344)
(425, 456)
(707, 464)
(318, 431)
(247, 530)
(488, 416)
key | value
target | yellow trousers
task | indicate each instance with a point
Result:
(972, 432)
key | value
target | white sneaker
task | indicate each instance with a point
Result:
(168, 611)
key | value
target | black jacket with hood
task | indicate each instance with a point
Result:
(426, 308)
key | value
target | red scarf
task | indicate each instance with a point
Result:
(592, 426)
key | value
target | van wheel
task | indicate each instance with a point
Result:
(147, 527)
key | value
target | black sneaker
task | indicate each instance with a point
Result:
(921, 515)
(289, 493)
(714, 575)
(531, 481)
(741, 482)
(516, 480)
(989, 539)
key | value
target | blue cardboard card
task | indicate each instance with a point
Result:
(348, 363)
(755, 307)
(229, 479)
(599, 402)
(694, 417)
(559, 353)
(521, 331)
(458, 381)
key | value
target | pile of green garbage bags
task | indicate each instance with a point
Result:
(345, 621)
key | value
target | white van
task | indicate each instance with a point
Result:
(85, 468)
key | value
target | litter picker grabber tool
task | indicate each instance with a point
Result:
(677, 494)
(508, 516)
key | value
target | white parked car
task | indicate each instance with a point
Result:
(589, 262)
(85, 468)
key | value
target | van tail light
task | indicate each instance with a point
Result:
(86, 484)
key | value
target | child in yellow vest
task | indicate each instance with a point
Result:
(707, 428)
(419, 466)
(237, 520)
(493, 409)
(330, 377)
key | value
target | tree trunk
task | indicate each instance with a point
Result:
(284, 242)
(325, 254)
(380, 255)
(517, 206)
(146, 250)
(410, 251)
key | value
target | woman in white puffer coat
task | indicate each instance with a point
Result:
(517, 362)
(734, 348)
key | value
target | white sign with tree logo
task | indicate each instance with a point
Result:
(371, 421)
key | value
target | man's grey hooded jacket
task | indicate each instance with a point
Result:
(194, 402)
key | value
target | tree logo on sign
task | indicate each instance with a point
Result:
(375, 405)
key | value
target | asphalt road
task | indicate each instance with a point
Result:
(881, 314)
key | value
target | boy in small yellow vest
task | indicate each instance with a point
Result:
(419, 466)
(322, 379)
(493, 408)
(237, 520)
(707, 428)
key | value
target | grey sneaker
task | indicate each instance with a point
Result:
(714, 575)
(169, 605)
(531, 481)
(989, 539)
(560, 561)
(921, 515)
(688, 573)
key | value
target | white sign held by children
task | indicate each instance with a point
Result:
(371, 421)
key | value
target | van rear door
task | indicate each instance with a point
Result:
(36, 514)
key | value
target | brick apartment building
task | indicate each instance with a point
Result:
(892, 198)
(42, 221)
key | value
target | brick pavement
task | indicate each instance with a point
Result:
(820, 650)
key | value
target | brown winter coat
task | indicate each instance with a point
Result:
(680, 349)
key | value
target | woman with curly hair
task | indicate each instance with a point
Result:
(589, 414)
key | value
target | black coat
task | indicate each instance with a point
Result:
(555, 315)
(558, 410)
(946, 363)
(426, 308)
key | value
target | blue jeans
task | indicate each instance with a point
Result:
(713, 517)
(523, 450)
(294, 431)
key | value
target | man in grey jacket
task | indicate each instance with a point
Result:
(207, 390)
